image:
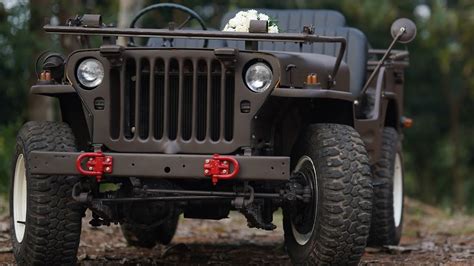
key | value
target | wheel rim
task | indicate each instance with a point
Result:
(397, 190)
(302, 226)
(19, 198)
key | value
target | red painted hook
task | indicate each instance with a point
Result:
(219, 168)
(97, 164)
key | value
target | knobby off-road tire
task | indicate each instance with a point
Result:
(387, 211)
(42, 205)
(343, 197)
(149, 237)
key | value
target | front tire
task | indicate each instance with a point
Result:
(387, 211)
(45, 220)
(333, 228)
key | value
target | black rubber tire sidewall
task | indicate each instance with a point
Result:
(383, 230)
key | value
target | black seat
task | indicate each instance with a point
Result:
(355, 56)
(293, 20)
(290, 21)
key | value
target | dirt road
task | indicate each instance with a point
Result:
(430, 236)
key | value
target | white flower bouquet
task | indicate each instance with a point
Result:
(241, 21)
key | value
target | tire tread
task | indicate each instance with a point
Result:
(53, 219)
(344, 219)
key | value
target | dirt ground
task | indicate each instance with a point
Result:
(430, 237)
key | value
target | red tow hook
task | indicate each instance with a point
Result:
(219, 168)
(97, 164)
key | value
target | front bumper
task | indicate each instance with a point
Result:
(170, 166)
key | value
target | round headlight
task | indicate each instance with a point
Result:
(90, 73)
(258, 77)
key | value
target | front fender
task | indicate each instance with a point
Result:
(52, 90)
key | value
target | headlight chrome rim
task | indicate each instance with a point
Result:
(254, 72)
(90, 73)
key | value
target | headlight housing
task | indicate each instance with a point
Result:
(258, 77)
(90, 73)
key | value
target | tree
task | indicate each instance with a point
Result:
(127, 9)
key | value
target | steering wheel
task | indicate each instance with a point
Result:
(191, 16)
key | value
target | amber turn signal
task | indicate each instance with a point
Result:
(312, 79)
(407, 122)
(45, 75)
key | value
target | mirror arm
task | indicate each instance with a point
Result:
(384, 57)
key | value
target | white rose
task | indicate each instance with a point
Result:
(241, 14)
(242, 28)
(252, 12)
(263, 17)
(233, 22)
(245, 22)
(273, 29)
(252, 17)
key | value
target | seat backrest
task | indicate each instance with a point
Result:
(291, 21)
(356, 54)
(326, 22)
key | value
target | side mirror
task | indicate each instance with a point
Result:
(403, 31)
(410, 30)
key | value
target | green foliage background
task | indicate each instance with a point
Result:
(439, 95)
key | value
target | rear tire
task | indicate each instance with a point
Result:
(45, 220)
(387, 211)
(148, 237)
(342, 192)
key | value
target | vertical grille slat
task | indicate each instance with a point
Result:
(115, 103)
(123, 82)
(187, 100)
(138, 85)
(194, 99)
(222, 101)
(179, 114)
(159, 88)
(143, 99)
(151, 99)
(165, 99)
(202, 108)
(129, 96)
(172, 98)
(215, 100)
(208, 98)
(229, 105)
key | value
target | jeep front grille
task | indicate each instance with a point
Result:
(171, 98)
